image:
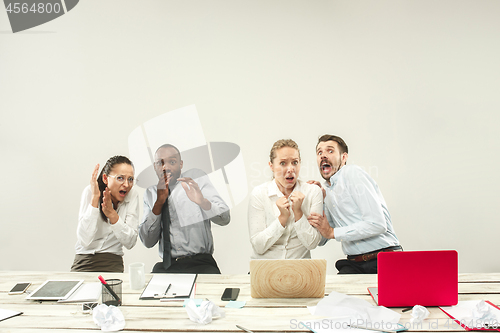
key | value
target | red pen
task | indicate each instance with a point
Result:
(109, 289)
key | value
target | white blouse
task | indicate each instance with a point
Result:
(95, 235)
(269, 239)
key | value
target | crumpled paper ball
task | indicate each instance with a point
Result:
(204, 313)
(418, 314)
(108, 318)
(482, 312)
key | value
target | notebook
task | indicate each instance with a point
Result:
(287, 278)
(408, 278)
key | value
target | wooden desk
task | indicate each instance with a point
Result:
(260, 315)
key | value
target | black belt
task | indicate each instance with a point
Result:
(373, 255)
(188, 257)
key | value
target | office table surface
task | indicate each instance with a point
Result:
(259, 315)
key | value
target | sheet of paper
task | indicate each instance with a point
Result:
(196, 301)
(235, 304)
(5, 314)
(170, 285)
(463, 312)
(87, 292)
(343, 311)
(346, 307)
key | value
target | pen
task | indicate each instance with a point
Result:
(244, 329)
(168, 288)
(109, 289)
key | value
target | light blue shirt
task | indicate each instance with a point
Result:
(357, 211)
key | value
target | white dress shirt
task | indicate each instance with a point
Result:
(95, 235)
(269, 239)
(357, 210)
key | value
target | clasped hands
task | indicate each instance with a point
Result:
(318, 221)
(291, 203)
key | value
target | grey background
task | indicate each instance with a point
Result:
(412, 86)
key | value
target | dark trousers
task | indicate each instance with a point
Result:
(99, 262)
(346, 266)
(202, 263)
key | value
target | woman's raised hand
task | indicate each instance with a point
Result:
(107, 207)
(94, 186)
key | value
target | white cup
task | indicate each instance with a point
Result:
(136, 274)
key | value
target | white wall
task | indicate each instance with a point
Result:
(412, 86)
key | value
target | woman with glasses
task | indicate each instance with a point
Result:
(108, 219)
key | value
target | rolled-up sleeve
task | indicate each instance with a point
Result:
(150, 228)
(262, 236)
(87, 219)
(219, 210)
(309, 236)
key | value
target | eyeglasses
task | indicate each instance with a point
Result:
(121, 179)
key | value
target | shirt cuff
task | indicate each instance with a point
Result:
(302, 224)
(118, 226)
(340, 234)
(213, 211)
(275, 229)
(152, 218)
(94, 212)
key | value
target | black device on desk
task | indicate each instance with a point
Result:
(230, 294)
(19, 288)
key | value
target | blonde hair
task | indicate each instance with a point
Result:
(283, 143)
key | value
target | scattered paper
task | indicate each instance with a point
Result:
(87, 292)
(474, 314)
(418, 314)
(345, 312)
(204, 313)
(236, 304)
(345, 307)
(108, 318)
(197, 301)
(4, 314)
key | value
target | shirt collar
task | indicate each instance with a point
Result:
(335, 178)
(272, 188)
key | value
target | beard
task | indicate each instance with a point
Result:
(328, 169)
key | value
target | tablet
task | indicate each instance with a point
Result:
(54, 290)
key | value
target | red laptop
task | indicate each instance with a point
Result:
(408, 278)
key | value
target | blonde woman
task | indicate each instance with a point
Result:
(278, 209)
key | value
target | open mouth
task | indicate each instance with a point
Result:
(326, 167)
(123, 193)
(290, 179)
